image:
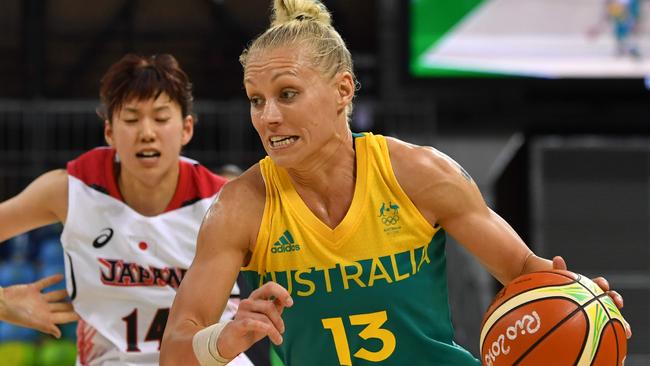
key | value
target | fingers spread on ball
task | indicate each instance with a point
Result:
(559, 263)
(602, 283)
(628, 329)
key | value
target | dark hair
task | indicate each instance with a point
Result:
(142, 78)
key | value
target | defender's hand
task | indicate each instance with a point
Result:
(26, 306)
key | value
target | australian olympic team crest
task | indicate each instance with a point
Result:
(389, 216)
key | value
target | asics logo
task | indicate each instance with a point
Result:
(104, 237)
(285, 244)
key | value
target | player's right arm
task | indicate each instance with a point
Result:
(226, 239)
(43, 202)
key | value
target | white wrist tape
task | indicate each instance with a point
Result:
(204, 344)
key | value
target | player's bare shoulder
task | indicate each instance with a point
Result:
(437, 185)
(244, 194)
(51, 190)
(421, 164)
(239, 207)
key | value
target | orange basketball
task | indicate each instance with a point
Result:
(552, 318)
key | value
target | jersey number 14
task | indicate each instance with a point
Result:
(155, 332)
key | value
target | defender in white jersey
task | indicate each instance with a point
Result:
(131, 214)
(124, 267)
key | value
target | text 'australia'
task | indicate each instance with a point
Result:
(356, 274)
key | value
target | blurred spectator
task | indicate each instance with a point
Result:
(623, 16)
(229, 171)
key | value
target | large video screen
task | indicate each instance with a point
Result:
(531, 38)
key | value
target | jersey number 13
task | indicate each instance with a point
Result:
(373, 322)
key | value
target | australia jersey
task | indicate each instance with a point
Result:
(123, 268)
(371, 291)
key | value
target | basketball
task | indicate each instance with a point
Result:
(552, 318)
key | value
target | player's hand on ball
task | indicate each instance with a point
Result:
(258, 316)
(559, 263)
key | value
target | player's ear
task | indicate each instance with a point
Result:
(188, 129)
(108, 132)
(345, 89)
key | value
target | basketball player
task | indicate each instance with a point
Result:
(131, 214)
(624, 17)
(343, 234)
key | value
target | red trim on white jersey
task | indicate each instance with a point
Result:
(96, 168)
(85, 344)
(195, 182)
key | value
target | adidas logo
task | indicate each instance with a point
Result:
(285, 244)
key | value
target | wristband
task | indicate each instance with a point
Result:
(204, 344)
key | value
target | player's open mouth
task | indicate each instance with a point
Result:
(147, 154)
(282, 141)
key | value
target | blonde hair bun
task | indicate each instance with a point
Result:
(285, 11)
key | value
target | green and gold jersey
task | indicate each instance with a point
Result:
(371, 291)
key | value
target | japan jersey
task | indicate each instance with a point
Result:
(124, 268)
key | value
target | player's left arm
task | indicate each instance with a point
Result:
(447, 195)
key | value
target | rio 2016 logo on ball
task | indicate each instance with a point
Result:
(552, 318)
